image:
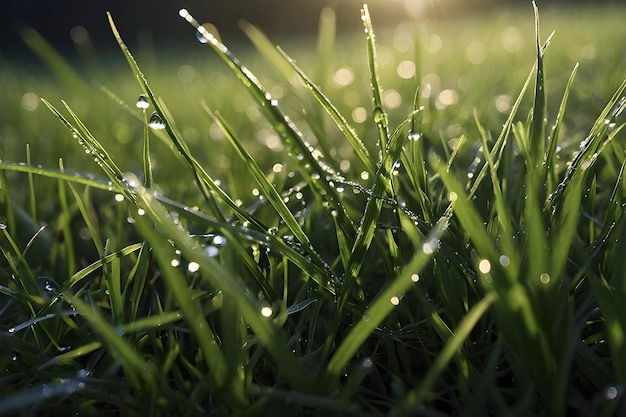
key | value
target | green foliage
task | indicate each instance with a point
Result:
(412, 265)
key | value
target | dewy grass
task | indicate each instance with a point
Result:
(414, 282)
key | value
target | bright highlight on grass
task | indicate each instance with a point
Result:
(484, 266)
(193, 267)
(267, 311)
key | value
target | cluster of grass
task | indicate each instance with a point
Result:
(416, 265)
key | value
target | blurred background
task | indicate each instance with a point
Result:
(465, 56)
(65, 22)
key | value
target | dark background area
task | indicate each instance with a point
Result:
(158, 20)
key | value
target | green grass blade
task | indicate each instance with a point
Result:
(320, 273)
(112, 276)
(269, 191)
(414, 161)
(501, 141)
(190, 308)
(268, 333)
(379, 309)
(538, 126)
(451, 348)
(62, 175)
(583, 159)
(341, 122)
(140, 373)
(317, 172)
(147, 162)
(93, 231)
(373, 207)
(93, 147)
(468, 215)
(84, 273)
(53, 59)
(554, 135)
(200, 174)
(65, 219)
(136, 282)
(503, 211)
(380, 116)
(31, 187)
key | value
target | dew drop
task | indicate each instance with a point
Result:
(266, 311)
(544, 278)
(193, 267)
(379, 115)
(142, 102)
(219, 240)
(395, 300)
(175, 263)
(484, 266)
(415, 277)
(211, 251)
(611, 393)
(155, 121)
(504, 260)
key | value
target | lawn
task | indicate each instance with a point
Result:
(430, 222)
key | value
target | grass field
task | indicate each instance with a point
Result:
(429, 224)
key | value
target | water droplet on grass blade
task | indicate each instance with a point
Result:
(379, 115)
(266, 311)
(611, 393)
(212, 251)
(142, 102)
(155, 121)
(207, 32)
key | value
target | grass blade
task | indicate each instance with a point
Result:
(275, 199)
(554, 135)
(379, 309)
(537, 128)
(380, 116)
(316, 172)
(451, 348)
(341, 122)
(271, 336)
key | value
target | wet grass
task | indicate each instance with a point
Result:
(291, 238)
